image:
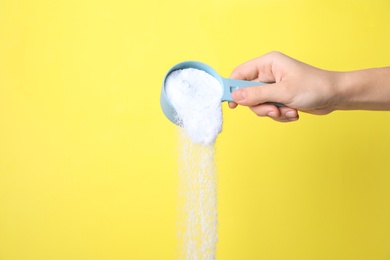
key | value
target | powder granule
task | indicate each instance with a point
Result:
(196, 97)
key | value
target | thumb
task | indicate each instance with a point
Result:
(255, 95)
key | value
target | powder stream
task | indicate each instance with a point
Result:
(198, 200)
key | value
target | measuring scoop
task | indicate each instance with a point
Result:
(227, 85)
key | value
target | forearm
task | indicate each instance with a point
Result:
(364, 89)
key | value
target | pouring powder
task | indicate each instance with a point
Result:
(196, 97)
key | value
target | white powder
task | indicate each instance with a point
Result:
(196, 97)
(198, 219)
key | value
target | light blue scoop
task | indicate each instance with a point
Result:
(227, 85)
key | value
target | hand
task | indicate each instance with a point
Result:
(299, 86)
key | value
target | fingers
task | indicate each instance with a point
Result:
(261, 68)
(268, 68)
(252, 96)
(232, 105)
(246, 71)
(280, 114)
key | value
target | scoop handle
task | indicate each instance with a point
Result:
(229, 85)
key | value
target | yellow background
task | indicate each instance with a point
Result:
(88, 162)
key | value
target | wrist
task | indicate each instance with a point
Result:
(363, 89)
(342, 90)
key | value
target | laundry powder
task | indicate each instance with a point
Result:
(196, 97)
(197, 222)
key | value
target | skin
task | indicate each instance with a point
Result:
(302, 87)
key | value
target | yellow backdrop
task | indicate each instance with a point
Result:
(88, 162)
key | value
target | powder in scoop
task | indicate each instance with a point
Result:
(196, 97)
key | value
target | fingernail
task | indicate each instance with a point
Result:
(272, 114)
(291, 114)
(239, 95)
